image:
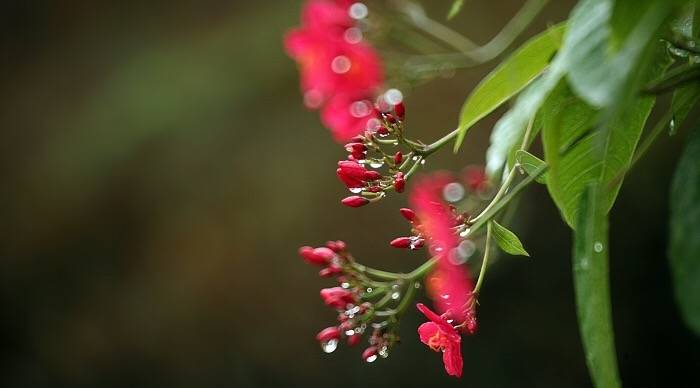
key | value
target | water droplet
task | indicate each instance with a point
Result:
(329, 346)
(360, 109)
(453, 192)
(416, 285)
(341, 64)
(345, 285)
(369, 290)
(313, 99)
(373, 124)
(464, 233)
(353, 35)
(672, 126)
(358, 11)
(465, 250)
(376, 163)
(384, 352)
(371, 358)
(598, 247)
(393, 96)
(350, 332)
(355, 190)
(395, 295)
(415, 158)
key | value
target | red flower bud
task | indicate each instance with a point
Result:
(398, 158)
(330, 271)
(383, 131)
(370, 354)
(337, 297)
(354, 339)
(400, 110)
(372, 176)
(374, 189)
(312, 257)
(399, 182)
(401, 242)
(354, 201)
(351, 173)
(357, 155)
(328, 334)
(336, 246)
(408, 214)
(472, 325)
(355, 147)
(389, 118)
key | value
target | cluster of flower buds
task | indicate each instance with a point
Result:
(418, 236)
(358, 301)
(374, 166)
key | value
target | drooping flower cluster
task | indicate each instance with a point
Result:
(363, 305)
(340, 72)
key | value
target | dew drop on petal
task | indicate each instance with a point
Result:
(453, 192)
(358, 11)
(353, 35)
(313, 99)
(371, 358)
(355, 190)
(360, 109)
(330, 345)
(376, 163)
(393, 96)
(350, 332)
(345, 285)
(341, 64)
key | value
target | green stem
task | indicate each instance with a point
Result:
(485, 262)
(430, 148)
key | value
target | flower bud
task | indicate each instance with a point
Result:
(312, 257)
(351, 173)
(337, 297)
(354, 339)
(408, 214)
(472, 325)
(401, 242)
(399, 182)
(355, 201)
(398, 158)
(389, 118)
(370, 354)
(400, 110)
(355, 147)
(383, 131)
(336, 246)
(372, 176)
(328, 334)
(330, 271)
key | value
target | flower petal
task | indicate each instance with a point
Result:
(452, 358)
(426, 331)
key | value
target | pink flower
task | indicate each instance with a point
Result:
(450, 285)
(439, 335)
(337, 297)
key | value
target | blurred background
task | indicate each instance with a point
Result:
(158, 172)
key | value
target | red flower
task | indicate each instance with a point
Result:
(354, 175)
(346, 116)
(439, 335)
(450, 285)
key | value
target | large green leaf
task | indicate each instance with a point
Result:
(684, 251)
(592, 287)
(509, 78)
(579, 153)
(600, 73)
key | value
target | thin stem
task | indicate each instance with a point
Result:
(430, 148)
(511, 175)
(485, 262)
(435, 29)
(485, 217)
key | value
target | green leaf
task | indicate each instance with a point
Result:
(684, 251)
(684, 99)
(530, 163)
(507, 240)
(454, 10)
(509, 78)
(598, 72)
(580, 150)
(592, 288)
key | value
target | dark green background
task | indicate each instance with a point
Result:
(158, 172)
